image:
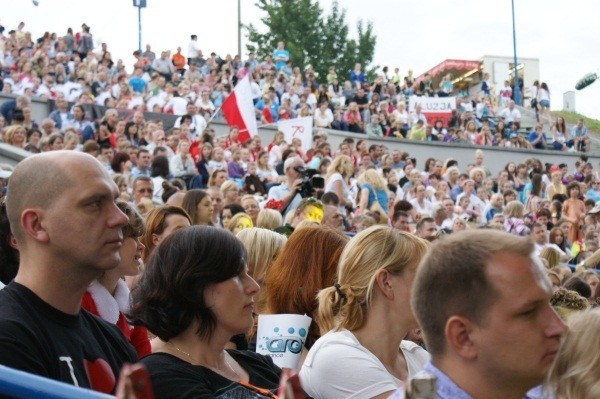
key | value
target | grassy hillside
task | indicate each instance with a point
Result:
(593, 125)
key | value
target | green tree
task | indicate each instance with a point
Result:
(312, 37)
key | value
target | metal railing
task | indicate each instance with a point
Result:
(22, 385)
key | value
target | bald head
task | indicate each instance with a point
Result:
(39, 180)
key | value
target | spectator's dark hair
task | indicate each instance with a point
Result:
(287, 153)
(330, 198)
(168, 191)
(142, 150)
(158, 149)
(579, 286)
(571, 186)
(119, 157)
(160, 167)
(397, 215)
(81, 108)
(18, 115)
(184, 118)
(170, 295)
(233, 208)
(403, 206)
(421, 222)
(9, 256)
(559, 197)
(589, 202)
(543, 212)
(31, 131)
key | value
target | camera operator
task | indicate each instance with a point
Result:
(289, 190)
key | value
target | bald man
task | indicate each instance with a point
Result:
(62, 212)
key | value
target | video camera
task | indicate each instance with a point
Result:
(310, 181)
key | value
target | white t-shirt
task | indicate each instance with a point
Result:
(338, 366)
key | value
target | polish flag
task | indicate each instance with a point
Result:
(238, 110)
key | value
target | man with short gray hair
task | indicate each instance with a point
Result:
(288, 190)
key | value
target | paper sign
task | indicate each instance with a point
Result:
(282, 337)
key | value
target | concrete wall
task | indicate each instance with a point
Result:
(39, 108)
(495, 158)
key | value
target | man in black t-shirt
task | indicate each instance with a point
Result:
(62, 212)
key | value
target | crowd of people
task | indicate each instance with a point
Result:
(486, 280)
(71, 68)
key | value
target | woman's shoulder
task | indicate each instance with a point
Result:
(333, 340)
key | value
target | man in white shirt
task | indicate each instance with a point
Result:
(194, 53)
(417, 115)
(198, 122)
(288, 190)
(510, 113)
(540, 240)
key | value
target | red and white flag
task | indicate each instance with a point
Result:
(238, 110)
(300, 128)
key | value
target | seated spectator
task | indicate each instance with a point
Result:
(353, 119)
(239, 222)
(538, 139)
(468, 340)
(510, 114)
(62, 211)
(108, 296)
(370, 296)
(194, 325)
(323, 116)
(311, 254)
(263, 247)
(417, 131)
(161, 222)
(198, 204)
(573, 373)
(579, 134)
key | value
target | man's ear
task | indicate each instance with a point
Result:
(460, 335)
(32, 223)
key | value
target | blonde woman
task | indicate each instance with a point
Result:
(574, 373)
(551, 256)
(556, 185)
(514, 224)
(182, 164)
(337, 180)
(16, 136)
(239, 221)
(372, 189)
(262, 246)
(251, 207)
(231, 193)
(269, 219)
(366, 315)
(451, 176)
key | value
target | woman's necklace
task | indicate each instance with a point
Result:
(196, 362)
